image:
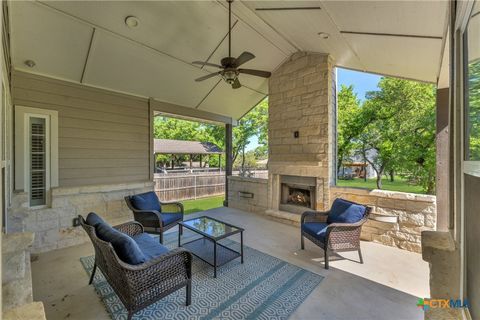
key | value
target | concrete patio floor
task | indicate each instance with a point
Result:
(386, 286)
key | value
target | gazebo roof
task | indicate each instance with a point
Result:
(167, 146)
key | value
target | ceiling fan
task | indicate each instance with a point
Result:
(230, 65)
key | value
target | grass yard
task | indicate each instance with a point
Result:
(202, 204)
(398, 185)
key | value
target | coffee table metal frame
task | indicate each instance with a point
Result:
(202, 247)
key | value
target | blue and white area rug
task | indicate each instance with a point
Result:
(264, 287)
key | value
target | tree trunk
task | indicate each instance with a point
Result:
(392, 176)
(365, 170)
(430, 184)
(339, 165)
(379, 180)
(243, 158)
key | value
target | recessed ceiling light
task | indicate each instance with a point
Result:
(132, 22)
(324, 35)
(30, 63)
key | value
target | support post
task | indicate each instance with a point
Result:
(228, 158)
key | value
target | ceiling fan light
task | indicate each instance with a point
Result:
(229, 76)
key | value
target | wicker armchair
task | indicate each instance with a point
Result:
(335, 237)
(138, 286)
(157, 221)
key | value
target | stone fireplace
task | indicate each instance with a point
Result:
(301, 135)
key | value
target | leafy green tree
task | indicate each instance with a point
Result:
(349, 123)
(401, 130)
(474, 110)
(254, 123)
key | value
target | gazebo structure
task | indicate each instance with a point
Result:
(190, 148)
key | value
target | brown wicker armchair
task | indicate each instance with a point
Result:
(138, 286)
(157, 221)
(335, 237)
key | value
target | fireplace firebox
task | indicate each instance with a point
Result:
(297, 193)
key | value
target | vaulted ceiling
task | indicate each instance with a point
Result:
(89, 43)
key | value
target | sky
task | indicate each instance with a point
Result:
(362, 83)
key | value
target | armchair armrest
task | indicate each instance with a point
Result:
(173, 256)
(347, 225)
(314, 216)
(170, 269)
(338, 233)
(140, 214)
(178, 205)
(131, 228)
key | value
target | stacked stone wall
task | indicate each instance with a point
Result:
(248, 194)
(414, 212)
(53, 225)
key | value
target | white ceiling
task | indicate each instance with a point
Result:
(154, 59)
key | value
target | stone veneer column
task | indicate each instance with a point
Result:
(302, 99)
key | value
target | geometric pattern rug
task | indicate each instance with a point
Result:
(263, 287)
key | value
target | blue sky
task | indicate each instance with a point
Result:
(362, 83)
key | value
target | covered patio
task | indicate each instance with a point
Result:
(82, 83)
(386, 286)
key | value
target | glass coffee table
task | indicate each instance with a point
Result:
(207, 248)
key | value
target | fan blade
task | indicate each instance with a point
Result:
(244, 57)
(208, 76)
(207, 64)
(258, 73)
(236, 84)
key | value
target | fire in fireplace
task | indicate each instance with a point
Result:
(297, 193)
(299, 197)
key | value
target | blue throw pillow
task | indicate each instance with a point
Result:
(125, 247)
(344, 211)
(93, 219)
(146, 201)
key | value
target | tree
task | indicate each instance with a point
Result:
(349, 123)
(254, 123)
(473, 129)
(398, 127)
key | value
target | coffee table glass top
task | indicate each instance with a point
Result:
(211, 227)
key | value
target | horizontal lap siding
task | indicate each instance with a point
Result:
(103, 136)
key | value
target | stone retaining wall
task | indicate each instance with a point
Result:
(239, 190)
(415, 213)
(53, 226)
(16, 270)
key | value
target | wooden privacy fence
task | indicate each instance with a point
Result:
(183, 187)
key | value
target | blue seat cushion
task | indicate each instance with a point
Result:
(146, 201)
(344, 211)
(150, 247)
(168, 218)
(125, 247)
(318, 230)
(93, 219)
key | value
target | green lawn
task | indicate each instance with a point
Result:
(398, 185)
(202, 204)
